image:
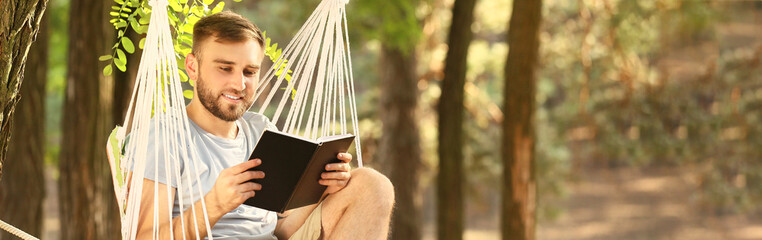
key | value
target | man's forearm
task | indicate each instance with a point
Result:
(189, 220)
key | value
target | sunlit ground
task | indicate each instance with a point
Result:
(636, 204)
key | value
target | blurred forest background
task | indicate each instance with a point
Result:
(646, 116)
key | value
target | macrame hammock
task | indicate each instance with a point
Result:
(318, 101)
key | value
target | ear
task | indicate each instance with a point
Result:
(191, 66)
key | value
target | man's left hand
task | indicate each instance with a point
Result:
(338, 174)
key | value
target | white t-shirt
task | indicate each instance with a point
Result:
(215, 154)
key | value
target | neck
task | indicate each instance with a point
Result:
(210, 123)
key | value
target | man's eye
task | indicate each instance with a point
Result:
(249, 73)
(226, 69)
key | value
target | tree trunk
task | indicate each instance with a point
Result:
(88, 205)
(19, 24)
(450, 179)
(519, 188)
(21, 195)
(400, 143)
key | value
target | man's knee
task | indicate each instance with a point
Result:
(375, 184)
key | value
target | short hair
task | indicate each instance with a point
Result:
(227, 27)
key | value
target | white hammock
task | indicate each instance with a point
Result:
(319, 57)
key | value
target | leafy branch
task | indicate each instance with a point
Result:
(183, 15)
(273, 52)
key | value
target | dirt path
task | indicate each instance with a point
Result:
(631, 204)
(642, 204)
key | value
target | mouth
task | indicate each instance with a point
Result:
(232, 97)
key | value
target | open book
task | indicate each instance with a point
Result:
(292, 167)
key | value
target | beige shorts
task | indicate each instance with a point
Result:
(312, 227)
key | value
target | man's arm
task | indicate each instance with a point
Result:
(230, 190)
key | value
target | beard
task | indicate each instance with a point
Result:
(213, 103)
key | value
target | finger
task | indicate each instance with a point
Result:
(341, 167)
(332, 182)
(344, 157)
(245, 166)
(249, 186)
(247, 195)
(335, 175)
(249, 175)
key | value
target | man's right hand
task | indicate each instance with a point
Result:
(232, 187)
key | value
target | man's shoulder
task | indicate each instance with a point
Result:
(253, 117)
(256, 120)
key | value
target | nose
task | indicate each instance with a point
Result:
(239, 82)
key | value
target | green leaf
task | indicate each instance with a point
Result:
(115, 8)
(120, 64)
(142, 43)
(113, 14)
(124, 15)
(218, 8)
(191, 82)
(128, 45)
(236, 0)
(134, 24)
(188, 94)
(107, 70)
(142, 29)
(185, 50)
(141, 12)
(192, 19)
(144, 20)
(104, 58)
(183, 76)
(121, 56)
(196, 12)
(173, 18)
(127, 10)
(183, 1)
(188, 28)
(175, 5)
(180, 61)
(208, 2)
(120, 25)
(120, 2)
(113, 20)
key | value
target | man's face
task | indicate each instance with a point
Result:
(227, 76)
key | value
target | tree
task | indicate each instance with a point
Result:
(18, 28)
(400, 142)
(519, 186)
(399, 151)
(88, 205)
(21, 196)
(399, 147)
(450, 108)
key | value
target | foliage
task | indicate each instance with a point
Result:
(58, 12)
(136, 14)
(183, 15)
(621, 95)
(402, 33)
(274, 53)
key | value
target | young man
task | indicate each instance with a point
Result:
(225, 65)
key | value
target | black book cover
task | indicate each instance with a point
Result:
(292, 167)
